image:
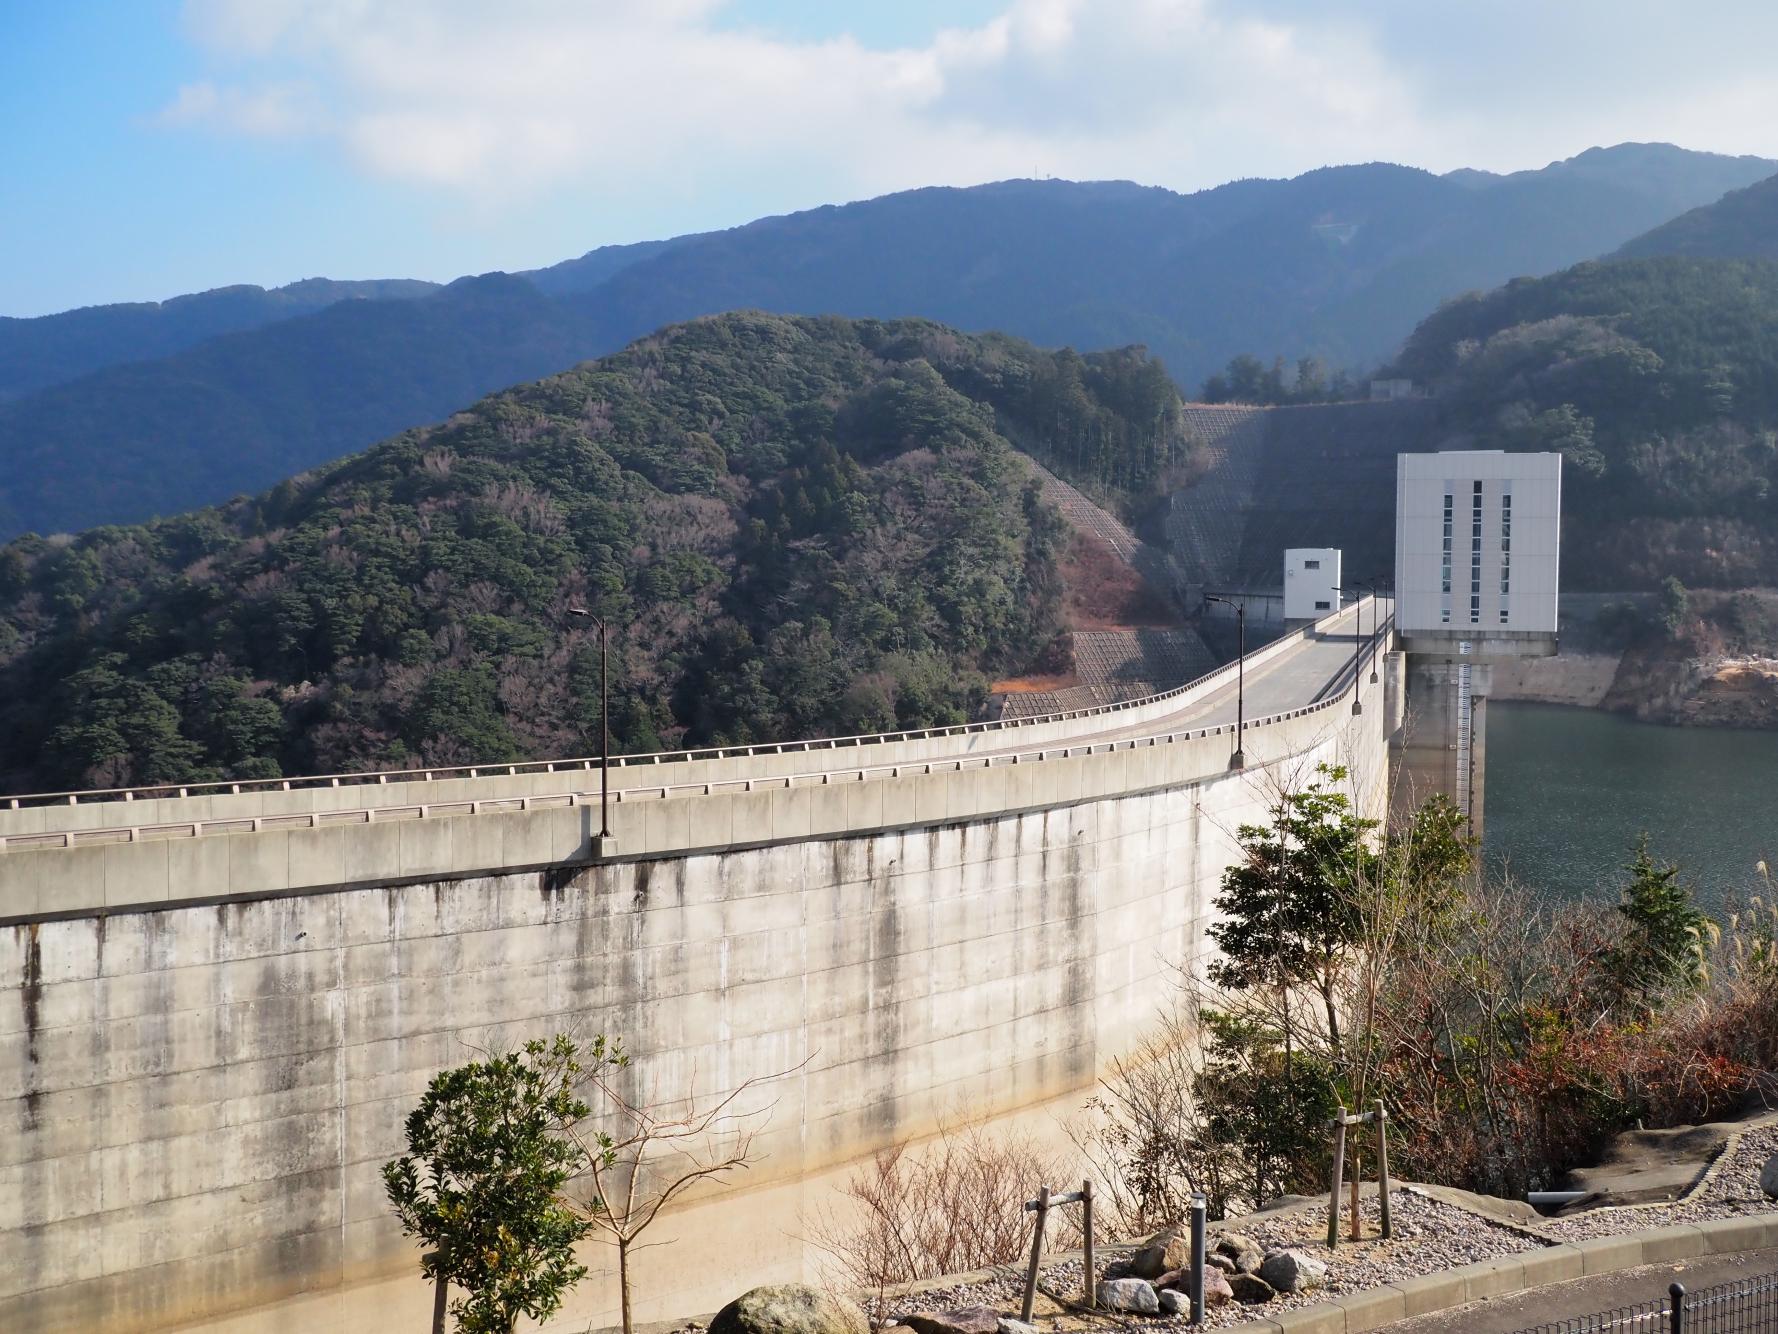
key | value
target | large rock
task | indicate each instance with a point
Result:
(1168, 1249)
(1768, 1178)
(1178, 1300)
(957, 1320)
(1135, 1296)
(1010, 1326)
(1292, 1271)
(1244, 1253)
(1250, 1289)
(789, 1308)
(1217, 1289)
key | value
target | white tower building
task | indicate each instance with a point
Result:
(1311, 582)
(1477, 543)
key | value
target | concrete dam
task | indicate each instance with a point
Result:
(224, 1002)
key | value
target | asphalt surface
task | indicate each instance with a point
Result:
(1587, 1296)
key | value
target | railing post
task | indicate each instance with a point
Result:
(1676, 1308)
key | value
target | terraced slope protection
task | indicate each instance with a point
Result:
(795, 527)
(1317, 476)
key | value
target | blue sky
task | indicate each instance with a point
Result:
(154, 147)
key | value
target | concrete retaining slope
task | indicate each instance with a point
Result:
(203, 1093)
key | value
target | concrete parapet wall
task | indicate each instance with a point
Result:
(205, 1091)
(635, 772)
(159, 868)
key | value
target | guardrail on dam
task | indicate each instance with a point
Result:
(218, 1035)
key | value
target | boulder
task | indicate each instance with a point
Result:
(1250, 1289)
(1225, 1263)
(1244, 1251)
(789, 1308)
(1136, 1296)
(1010, 1326)
(1217, 1291)
(1173, 1278)
(1768, 1177)
(1292, 1271)
(956, 1320)
(1177, 1300)
(1168, 1249)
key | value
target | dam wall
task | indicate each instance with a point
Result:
(205, 1091)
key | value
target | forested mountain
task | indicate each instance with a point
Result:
(1657, 379)
(236, 413)
(36, 353)
(1338, 263)
(1741, 225)
(793, 526)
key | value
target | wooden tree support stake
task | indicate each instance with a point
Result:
(1041, 1206)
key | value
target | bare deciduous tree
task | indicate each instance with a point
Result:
(642, 1157)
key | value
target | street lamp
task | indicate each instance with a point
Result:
(1371, 585)
(1239, 759)
(1357, 650)
(604, 724)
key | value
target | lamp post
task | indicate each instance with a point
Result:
(1371, 586)
(1239, 759)
(604, 723)
(1357, 651)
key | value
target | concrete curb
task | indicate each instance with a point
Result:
(1375, 1308)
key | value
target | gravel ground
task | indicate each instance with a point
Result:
(1732, 1191)
(1429, 1236)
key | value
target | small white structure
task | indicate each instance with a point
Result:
(1311, 582)
(1477, 539)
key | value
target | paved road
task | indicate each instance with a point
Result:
(1585, 1296)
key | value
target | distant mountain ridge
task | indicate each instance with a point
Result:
(1339, 263)
(51, 349)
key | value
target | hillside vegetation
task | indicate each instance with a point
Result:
(1657, 379)
(1337, 264)
(1741, 225)
(794, 526)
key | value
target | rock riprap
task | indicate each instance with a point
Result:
(790, 1308)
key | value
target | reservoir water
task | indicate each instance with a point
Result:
(1569, 790)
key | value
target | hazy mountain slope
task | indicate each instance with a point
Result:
(793, 526)
(237, 412)
(594, 267)
(1740, 225)
(51, 349)
(1339, 262)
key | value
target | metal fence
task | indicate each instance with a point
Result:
(1746, 1306)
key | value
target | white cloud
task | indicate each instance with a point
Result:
(503, 102)
(269, 111)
